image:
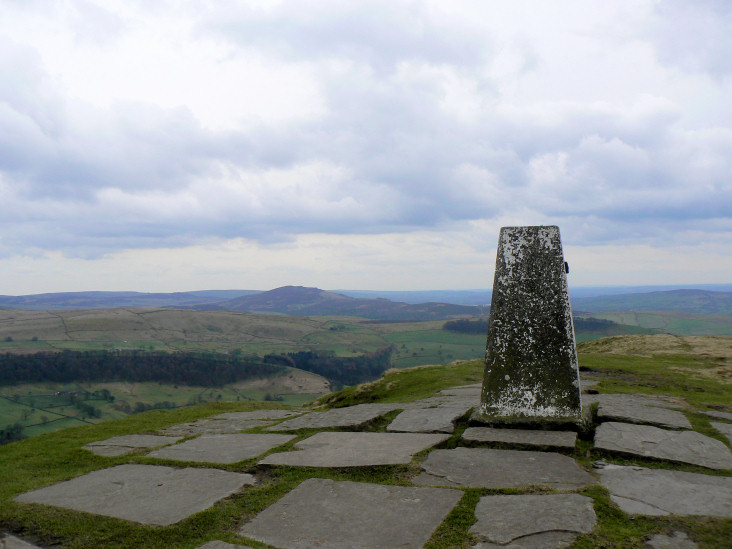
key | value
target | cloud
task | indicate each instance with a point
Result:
(126, 125)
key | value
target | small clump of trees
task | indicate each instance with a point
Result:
(465, 326)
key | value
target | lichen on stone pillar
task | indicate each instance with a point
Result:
(531, 369)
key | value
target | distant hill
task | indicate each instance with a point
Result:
(303, 301)
(108, 300)
(688, 301)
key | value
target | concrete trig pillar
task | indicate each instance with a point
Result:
(531, 369)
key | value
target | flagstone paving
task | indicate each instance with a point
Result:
(428, 420)
(724, 428)
(523, 437)
(351, 416)
(653, 442)
(118, 446)
(211, 426)
(550, 520)
(148, 494)
(633, 412)
(11, 542)
(222, 448)
(328, 514)
(719, 415)
(677, 540)
(624, 399)
(489, 468)
(347, 449)
(470, 391)
(643, 491)
(258, 414)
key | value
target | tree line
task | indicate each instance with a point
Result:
(185, 368)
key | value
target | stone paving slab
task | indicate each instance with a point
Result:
(444, 401)
(724, 428)
(222, 448)
(588, 383)
(524, 437)
(470, 391)
(656, 492)
(149, 494)
(219, 545)
(209, 426)
(632, 412)
(116, 446)
(677, 540)
(344, 449)
(533, 520)
(652, 442)
(718, 415)
(328, 514)
(8, 541)
(351, 416)
(624, 399)
(257, 414)
(427, 420)
(490, 468)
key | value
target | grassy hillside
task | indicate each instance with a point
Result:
(687, 301)
(685, 367)
(672, 322)
(106, 300)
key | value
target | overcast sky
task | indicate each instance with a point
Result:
(166, 146)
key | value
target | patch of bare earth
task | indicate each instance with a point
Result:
(292, 381)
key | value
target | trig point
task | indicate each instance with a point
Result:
(531, 370)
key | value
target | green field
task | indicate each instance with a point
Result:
(672, 322)
(45, 407)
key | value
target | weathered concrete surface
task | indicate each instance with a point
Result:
(677, 540)
(653, 442)
(427, 420)
(535, 519)
(531, 359)
(222, 448)
(631, 411)
(148, 494)
(117, 446)
(351, 416)
(328, 514)
(524, 437)
(8, 541)
(211, 426)
(489, 468)
(724, 428)
(638, 490)
(342, 449)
